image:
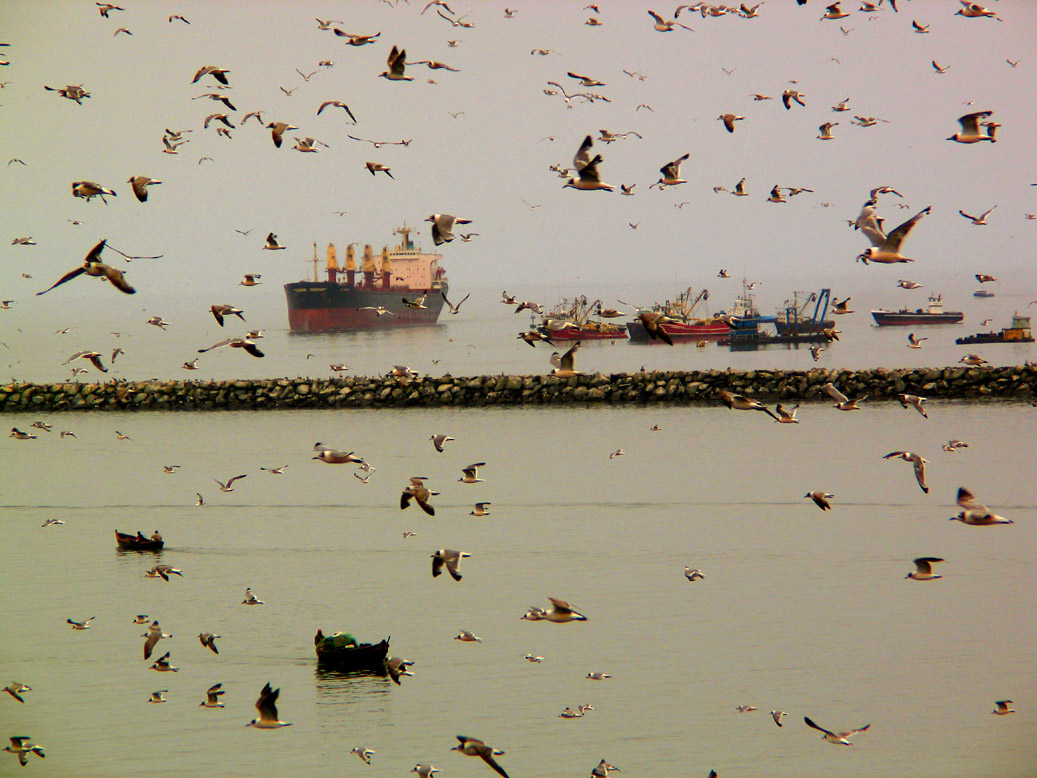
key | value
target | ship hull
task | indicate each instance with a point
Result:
(325, 306)
(678, 331)
(578, 334)
(915, 318)
(1005, 336)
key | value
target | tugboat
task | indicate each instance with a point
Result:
(1018, 332)
(934, 315)
(405, 288)
(685, 326)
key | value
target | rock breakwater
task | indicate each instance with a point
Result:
(474, 391)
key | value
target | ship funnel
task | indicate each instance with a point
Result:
(332, 259)
(350, 258)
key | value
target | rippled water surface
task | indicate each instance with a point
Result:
(801, 610)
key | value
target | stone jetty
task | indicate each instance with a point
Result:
(428, 391)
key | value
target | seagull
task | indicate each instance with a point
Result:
(729, 120)
(80, 624)
(212, 697)
(267, 707)
(565, 367)
(163, 572)
(480, 509)
(746, 708)
(157, 696)
(917, 461)
(71, 92)
(250, 598)
(617, 453)
(425, 770)
(364, 753)
(93, 266)
(843, 403)
(826, 131)
(419, 493)
(277, 131)
(336, 104)
(776, 715)
(841, 307)
(333, 456)
(560, 612)
(586, 166)
(792, 94)
(244, 343)
(970, 128)
(439, 440)
(839, 738)
(975, 11)
(397, 62)
(924, 569)
(468, 637)
(163, 665)
(787, 416)
(443, 226)
(666, 25)
(738, 402)
(140, 186)
(450, 558)
(908, 285)
(22, 746)
(221, 311)
(981, 220)
(220, 74)
(913, 400)
(49, 522)
(94, 358)
(16, 689)
(396, 668)
(671, 173)
(974, 513)
(154, 635)
(973, 360)
(228, 487)
(815, 353)
(984, 278)
(208, 640)
(455, 309)
(471, 746)
(821, 499)
(1002, 708)
(533, 658)
(693, 575)
(272, 244)
(471, 474)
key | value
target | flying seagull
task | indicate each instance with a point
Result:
(450, 558)
(267, 707)
(93, 266)
(839, 738)
(471, 746)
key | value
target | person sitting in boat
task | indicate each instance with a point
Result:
(140, 537)
(338, 640)
(156, 537)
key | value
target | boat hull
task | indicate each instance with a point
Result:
(915, 318)
(326, 306)
(133, 543)
(994, 337)
(679, 331)
(578, 334)
(365, 656)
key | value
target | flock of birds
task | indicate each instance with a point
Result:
(584, 174)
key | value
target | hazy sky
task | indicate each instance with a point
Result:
(490, 162)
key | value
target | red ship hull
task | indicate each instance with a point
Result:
(679, 331)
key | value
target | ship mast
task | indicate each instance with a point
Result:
(316, 261)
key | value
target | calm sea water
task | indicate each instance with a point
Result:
(800, 610)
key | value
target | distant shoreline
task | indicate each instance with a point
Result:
(1019, 382)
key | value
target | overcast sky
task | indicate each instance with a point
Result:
(489, 163)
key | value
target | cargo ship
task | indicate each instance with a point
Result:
(572, 322)
(935, 314)
(684, 325)
(403, 287)
(1018, 332)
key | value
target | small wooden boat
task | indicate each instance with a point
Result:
(138, 542)
(350, 656)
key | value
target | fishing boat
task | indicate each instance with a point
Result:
(572, 321)
(792, 318)
(405, 287)
(1018, 332)
(934, 314)
(745, 320)
(684, 325)
(342, 652)
(138, 542)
